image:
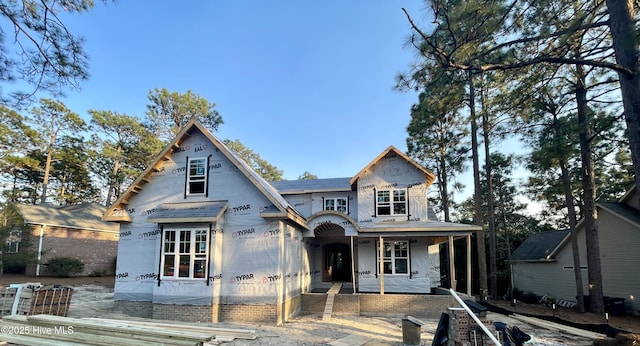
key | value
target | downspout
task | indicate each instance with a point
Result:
(40, 250)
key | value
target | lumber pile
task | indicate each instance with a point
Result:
(35, 299)
(47, 329)
(559, 327)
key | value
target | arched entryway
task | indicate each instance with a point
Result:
(337, 262)
(333, 246)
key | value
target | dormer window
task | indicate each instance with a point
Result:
(337, 204)
(392, 202)
(197, 176)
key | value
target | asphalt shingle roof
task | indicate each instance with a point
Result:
(311, 185)
(538, 246)
(623, 210)
(79, 216)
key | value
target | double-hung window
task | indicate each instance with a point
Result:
(395, 257)
(337, 204)
(184, 253)
(391, 202)
(196, 176)
(13, 241)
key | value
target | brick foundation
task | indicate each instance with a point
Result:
(215, 313)
(247, 313)
(313, 302)
(390, 305)
(185, 313)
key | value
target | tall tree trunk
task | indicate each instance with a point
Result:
(444, 189)
(573, 221)
(508, 245)
(589, 196)
(47, 168)
(47, 165)
(113, 179)
(491, 215)
(477, 194)
(625, 45)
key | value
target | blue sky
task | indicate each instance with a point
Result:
(306, 84)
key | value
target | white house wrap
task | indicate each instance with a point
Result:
(200, 228)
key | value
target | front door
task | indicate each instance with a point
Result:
(337, 259)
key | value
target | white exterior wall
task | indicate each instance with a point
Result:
(294, 263)
(302, 203)
(424, 268)
(391, 172)
(246, 263)
(317, 202)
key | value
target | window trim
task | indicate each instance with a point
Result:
(193, 254)
(391, 202)
(203, 178)
(335, 204)
(392, 258)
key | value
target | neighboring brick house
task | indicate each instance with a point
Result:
(543, 263)
(75, 231)
(203, 237)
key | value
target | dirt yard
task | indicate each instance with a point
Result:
(93, 297)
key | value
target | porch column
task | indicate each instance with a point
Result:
(353, 266)
(468, 239)
(381, 265)
(452, 267)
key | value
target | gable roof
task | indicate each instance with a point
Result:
(628, 195)
(539, 246)
(429, 177)
(622, 211)
(619, 209)
(118, 211)
(77, 216)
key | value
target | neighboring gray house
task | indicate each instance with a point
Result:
(543, 264)
(203, 237)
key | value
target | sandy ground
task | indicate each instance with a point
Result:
(93, 297)
(97, 301)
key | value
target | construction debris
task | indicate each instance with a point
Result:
(559, 327)
(35, 299)
(45, 329)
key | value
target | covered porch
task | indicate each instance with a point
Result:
(402, 258)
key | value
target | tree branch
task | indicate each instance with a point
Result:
(444, 59)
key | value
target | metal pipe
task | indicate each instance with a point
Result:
(39, 250)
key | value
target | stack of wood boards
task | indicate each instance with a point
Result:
(47, 329)
(35, 299)
(51, 300)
